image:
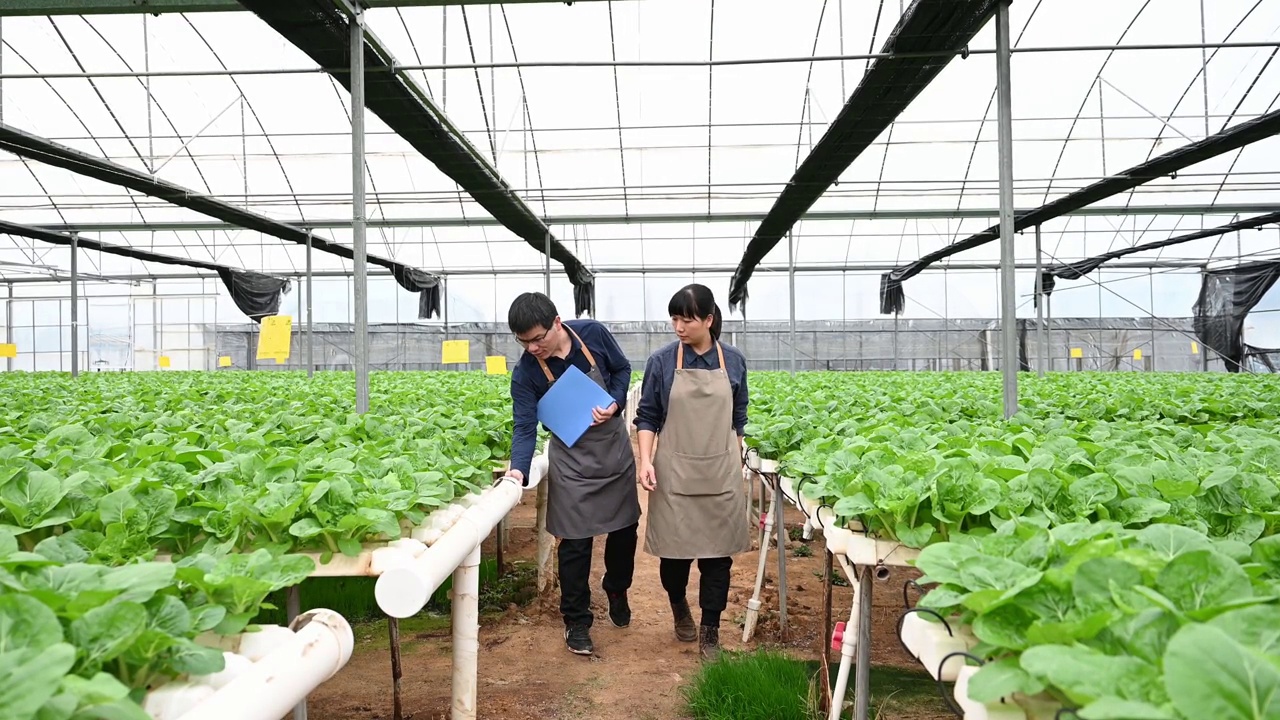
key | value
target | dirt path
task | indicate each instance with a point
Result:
(637, 672)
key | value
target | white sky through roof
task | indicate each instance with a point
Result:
(280, 145)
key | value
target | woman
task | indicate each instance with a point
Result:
(694, 404)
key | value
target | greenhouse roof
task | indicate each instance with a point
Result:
(648, 135)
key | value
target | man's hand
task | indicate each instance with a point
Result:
(517, 475)
(599, 416)
(648, 479)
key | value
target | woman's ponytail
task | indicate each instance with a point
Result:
(717, 321)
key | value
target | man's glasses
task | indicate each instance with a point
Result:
(533, 341)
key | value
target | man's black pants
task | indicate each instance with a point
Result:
(575, 572)
(713, 584)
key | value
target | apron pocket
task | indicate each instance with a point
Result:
(697, 475)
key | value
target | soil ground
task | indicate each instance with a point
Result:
(638, 672)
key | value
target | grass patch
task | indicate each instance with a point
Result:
(761, 685)
(767, 685)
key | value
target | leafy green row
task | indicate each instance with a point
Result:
(938, 459)
(85, 641)
(1162, 623)
(234, 461)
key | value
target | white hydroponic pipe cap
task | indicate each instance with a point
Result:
(321, 645)
(403, 591)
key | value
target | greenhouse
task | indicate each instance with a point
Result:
(1003, 274)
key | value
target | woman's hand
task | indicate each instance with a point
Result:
(648, 480)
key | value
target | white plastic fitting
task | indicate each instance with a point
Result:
(930, 643)
(974, 710)
(403, 591)
(319, 647)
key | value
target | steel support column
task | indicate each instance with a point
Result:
(8, 325)
(1041, 336)
(1008, 292)
(311, 347)
(360, 262)
(791, 280)
(75, 305)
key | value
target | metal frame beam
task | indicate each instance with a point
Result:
(538, 271)
(157, 7)
(668, 218)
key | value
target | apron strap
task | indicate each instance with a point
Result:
(719, 353)
(585, 351)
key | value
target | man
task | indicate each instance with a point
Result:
(591, 486)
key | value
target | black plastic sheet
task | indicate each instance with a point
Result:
(1226, 297)
(256, 295)
(26, 145)
(322, 31)
(1077, 270)
(1169, 163)
(927, 28)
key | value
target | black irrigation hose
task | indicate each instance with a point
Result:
(946, 697)
(902, 620)
(906, 601)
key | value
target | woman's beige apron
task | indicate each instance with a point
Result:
(698, 508)
(592, 485)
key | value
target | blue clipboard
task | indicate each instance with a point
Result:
(566, 408)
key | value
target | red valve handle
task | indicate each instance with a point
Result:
(837, 636)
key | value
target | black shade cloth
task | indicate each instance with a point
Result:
(1260, 128)
(36, 148)
(929, 27)
(1226, 297)
(322, 31)
(256, 295)
(1077, 270)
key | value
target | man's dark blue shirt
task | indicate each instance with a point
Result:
(529, 384)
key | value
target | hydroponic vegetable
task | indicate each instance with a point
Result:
(130, 464)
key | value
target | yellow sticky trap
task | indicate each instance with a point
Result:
(1195, 348)
(455, 352)
(8, 350)
(1137, 353)
(224, 361)
(276, 337)
(164, 361)
(1077, 353)
(496, 364)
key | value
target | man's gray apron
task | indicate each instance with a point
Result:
(698, 508)
(592, 489)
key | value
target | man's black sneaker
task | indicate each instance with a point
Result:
(619, 609)
(578, 639)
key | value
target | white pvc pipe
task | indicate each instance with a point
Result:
(848, 645)
(753, 605)
(404, 590)
(466, 636)
(320, 647)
